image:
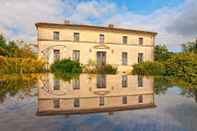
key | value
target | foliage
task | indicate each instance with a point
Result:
(182, 65)
(149, 68)
(90, 67)
(107, 69)
(161, 53)
(66, 66)
(20, 65)
(190, 47)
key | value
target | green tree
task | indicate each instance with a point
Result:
(161, 53)
(190, 47)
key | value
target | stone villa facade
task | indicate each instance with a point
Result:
(103, 45)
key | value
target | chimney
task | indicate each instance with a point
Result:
(111, 26)
(67, 22)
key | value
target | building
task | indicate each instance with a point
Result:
(103, 45)
(94, 93)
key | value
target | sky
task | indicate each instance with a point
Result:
(174, 20)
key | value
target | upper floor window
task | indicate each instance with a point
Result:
(140, 57)
(141, 41)
(124, 58)
(76, 55)
(124, 39)
(101, 38)
(56, 35)
(76, 36)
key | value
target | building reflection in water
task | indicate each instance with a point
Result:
(94, 93)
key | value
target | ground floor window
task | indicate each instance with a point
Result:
(101, 101)
(56, 54)
(124, 81)
(101, 81)
(140, 99)
(76, 55)
(76, 84)
(56, 103)
(124, 58)
(140, 57)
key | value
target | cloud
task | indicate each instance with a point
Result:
(185, 22)
(175, 25)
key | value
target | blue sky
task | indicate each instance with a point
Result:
(174, 20)
(147, 6)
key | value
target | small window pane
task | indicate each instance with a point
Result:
(124, 58)
(101, 38)
(141, 40)
(124, 81)
(56, 35)
(124, 39)
(76, 36)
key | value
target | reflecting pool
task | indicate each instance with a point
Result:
(95, 102)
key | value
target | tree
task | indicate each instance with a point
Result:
(161, 53)
(2, 42)
(190, 47)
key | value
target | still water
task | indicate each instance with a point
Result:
(94, 103)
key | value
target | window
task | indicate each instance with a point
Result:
(56, 55)
(76, 55)
(124, 58)
(124, 81)
(101, 38)
(76, 36)
(101, 81)
(124, 100)
(101, 101)
(141, 41)
(76, 84)
(56, 85)
(124, 39)
(140, 57)
(140, 81)
(76, 102)
(140, 99)
(56, 35)
(56, 103)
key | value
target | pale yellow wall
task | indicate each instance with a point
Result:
(88, 93)
(93, 36)
(88, 41)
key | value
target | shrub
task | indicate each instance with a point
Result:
(107, 69)
(149, 68)
(66, 66)
(182, 65)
